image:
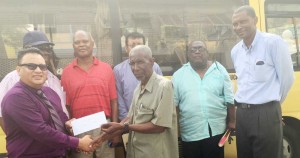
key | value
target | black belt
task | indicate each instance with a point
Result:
(251, 106)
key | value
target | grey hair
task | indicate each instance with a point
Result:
(248, 9)
(84, 32)
(141, 49)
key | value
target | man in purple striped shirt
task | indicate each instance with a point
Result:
(29, 126)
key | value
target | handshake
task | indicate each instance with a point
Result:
(87, 144)
(111, 132)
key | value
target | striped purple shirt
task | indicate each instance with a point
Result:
(30, 132)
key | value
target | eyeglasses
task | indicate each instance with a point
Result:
(200, 49)
(32, 66)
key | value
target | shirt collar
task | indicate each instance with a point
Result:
(188, 65)
(33, 90)
(75, 62)
(210, 68)
(254, 42)
(127, 61)
(149, 85)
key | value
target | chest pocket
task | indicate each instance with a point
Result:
(143, 114)
(261, 70)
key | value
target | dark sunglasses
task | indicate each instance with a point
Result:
(32, 66)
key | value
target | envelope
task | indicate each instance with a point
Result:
(88, 123)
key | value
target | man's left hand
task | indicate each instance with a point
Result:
(231, 126)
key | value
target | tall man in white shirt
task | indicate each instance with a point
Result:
(38, 40)
(265, 75)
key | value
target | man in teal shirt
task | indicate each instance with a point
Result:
(204, 97)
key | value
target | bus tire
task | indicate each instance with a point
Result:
(291, 143)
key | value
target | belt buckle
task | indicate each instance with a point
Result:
(246, 106)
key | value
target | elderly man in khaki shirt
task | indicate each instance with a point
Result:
(151, 121)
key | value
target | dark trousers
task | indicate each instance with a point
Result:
(206, 148)
(259, 130)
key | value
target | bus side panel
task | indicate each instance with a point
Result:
(259, 8)
(3, 144)
(291, 106)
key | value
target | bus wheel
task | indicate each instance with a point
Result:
(290, 143)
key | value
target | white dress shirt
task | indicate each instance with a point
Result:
(264, 70)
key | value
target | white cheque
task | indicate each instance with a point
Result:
(88, 123)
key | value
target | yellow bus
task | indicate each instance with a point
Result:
(168, 26)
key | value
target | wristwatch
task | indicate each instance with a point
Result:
(126, 127)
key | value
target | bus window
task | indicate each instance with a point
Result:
(285, 27)
(297, 23)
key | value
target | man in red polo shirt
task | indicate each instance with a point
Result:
(90, 88)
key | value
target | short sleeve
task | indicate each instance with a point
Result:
(164, 112)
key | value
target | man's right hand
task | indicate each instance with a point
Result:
(85, 143)
(68, 125)
(113, 128)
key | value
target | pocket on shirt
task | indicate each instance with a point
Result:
(144, 115)
(261, 71)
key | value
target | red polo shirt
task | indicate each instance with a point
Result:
(88, 92)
